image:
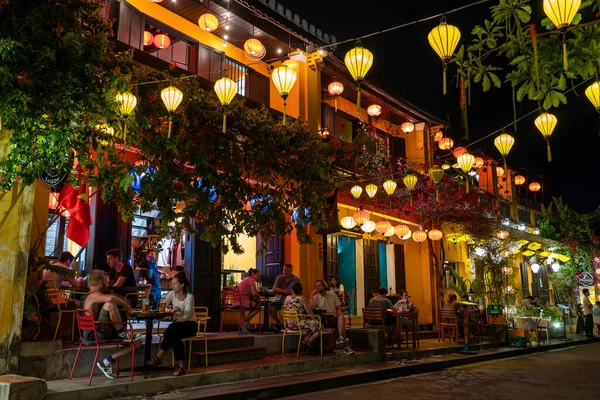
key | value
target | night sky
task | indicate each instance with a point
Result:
(406, 67)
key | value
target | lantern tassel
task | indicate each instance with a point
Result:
(549, 152)
(444, 80)
(437, 196)
(565, 59)
(170, 125)
(284, 112)
(358, 101)
(224, 122)
(335, 102)
(124, 132)
(467, 186)
(410, 200)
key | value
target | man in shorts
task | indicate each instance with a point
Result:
(104, 306)
(283, 285)
(327, 303)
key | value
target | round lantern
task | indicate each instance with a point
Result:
(438, 136)
(546, 123)
(535, 267)
(361, 216)
(419, 236)
(162, 41)
(254, 49)
(535, 186)
(226, 90)
(356, 191)
(208, 22)
(499, 172)
(294, 66)
(390, 232)
(478, 163)
(148, 38)
(335, 89)
(348, 222)
(444, 39)
(436, 174)
(389, 186)
(407, 127)
(368, 226)
(519, 180)
(502, 235)
(504, 143)
(445, 144)
(561, 13)
(383, 226)
(127, 102)
(446, 167)
(371, 190)
(465, 161)
(435, 234)
(374, 110)
(358, 61)
(401, 231)
(172, 98)
(284, 78)
(410, 181)
(593, 94)
(459, 151)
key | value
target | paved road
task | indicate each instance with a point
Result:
(572, 373)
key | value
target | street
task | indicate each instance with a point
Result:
(563, 374)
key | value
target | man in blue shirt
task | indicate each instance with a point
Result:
(153, 275)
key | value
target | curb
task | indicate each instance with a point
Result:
(279, 390)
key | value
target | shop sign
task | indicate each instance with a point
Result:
(586, 279)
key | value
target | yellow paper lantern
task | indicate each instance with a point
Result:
(348, 222)
(374, 110)
(284, 79)
(127, 102)
(294, 66)
(466, 161)
(445, 143)
(435, 234)
(383, 226)
(401, 231)
(358, 61)
(459, 151)
(172, 98)
(390, 232)
(389, 186)
(561, 12)
(226, 90)
(504, 143)
(368, 226)
(410, 181)
(371, 190)
(407, 127)
(446, 167)
(254, 49)
(361, 216)
(593, 94)
(419, 236)
(546, 123)
(208, 22)
(444, 39)
(436, 174)
(356, 191)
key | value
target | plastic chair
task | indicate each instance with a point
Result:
(231, 299)
(376, 314)
(86, 322)
(202, 318)
(58, 299)
(543, 327)
(448, 320)
(291, 317)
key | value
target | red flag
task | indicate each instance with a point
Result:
(76, 201)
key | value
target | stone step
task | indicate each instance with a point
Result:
(228, 356)
(227, 342)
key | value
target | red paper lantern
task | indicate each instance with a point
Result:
(534, 186)
(162, 41)
(446, 143)
(148, 38)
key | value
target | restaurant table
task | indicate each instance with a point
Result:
(467, 325)
(414, 326)
(266, 294)
(148, 317)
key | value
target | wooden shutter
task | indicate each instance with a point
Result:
(270, 263)
(371, 263)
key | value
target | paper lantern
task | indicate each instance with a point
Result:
(356, 191)
(171, 97)
(284, 78)
(438, 136)
(348, 222)
(503, 235)
(226, 90)
(444, 39)
(446, 167)
(504, 143)
(535, 186)
(390, 232)
(383, 226)
(593, 94)
(435, 234)
(335, 89)
(445, 144)
(519, 180)
(561, 12)
(374, 110)
(419, 236)
(208, 22)
(148, 38)
(410, 181)
(358, 61)
(407, 127)
(478, 163)
(389, 186)
(368, 226)
(459, 151)
(127, 102)
(401, 231)
(465, 161)
(361, 216)
(546, 123)
(436, 174)
(254, 49)
(499, 172)
(162, 41)
(371, 190)
(535, 267)
(555, 267)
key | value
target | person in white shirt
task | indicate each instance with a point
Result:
(184, 325)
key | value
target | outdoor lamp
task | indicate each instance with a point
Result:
(445, 143)
(535, 186)
(368, 226)
(171, 97)
(148, 38)
(401, 231)
(410, 181)
(502, 235)
(407, 127)
(465, 161)
(162, 41)
(358, 61)
(535, 267)
(389, 186)
(361, 216)
(254, 49)
(459, 151)
(478, 163)
(561, 13)
(519, 180)
(335, 89)
(294, 65)
(284, 79)
(446, 166)
(546, 123)
(435, 234)
(555, 267)
(499, 172)
(226, 90)
(504, 143)
(383, 226)
(356, 191)
(208, 22)
(436, 174)
(419, 236)
(127, 102)
(371, 190)
(593, 94)
(348, 222)
(444, 39)
(374, 110)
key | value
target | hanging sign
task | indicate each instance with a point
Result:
(586, 279)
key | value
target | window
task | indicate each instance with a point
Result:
(239, 74)
(145, 223)
(449, 277)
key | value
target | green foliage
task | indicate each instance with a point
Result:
(488, 260)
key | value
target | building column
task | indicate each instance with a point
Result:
(16, 212)
(360, 276)
(391, 266)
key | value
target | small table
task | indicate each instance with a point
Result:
(266, 295)
(413, 318)
(148, 317)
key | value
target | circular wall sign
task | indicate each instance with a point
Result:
(57, 171)
(587, 279)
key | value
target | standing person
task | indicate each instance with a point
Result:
(65, 259)
(153, 275)
(329, 303)
(249, 297)
(104, 307)
(307, 323)
(588, 309)
(183, 325)
(283, 285)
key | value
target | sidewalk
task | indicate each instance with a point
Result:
(278, 376)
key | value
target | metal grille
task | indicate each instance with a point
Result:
(238, 73)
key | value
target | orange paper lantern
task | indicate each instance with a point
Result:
(162, 41)
(148, 38)
(445, 144)
(435, 234)
(519, 180)
(534, 186)
(419, 236)
(459, 151)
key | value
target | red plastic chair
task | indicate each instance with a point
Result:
(231, 298)
(85, 321)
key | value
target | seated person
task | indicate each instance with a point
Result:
(283, 286)
(65, 259)
(329, 303)
(249, 297)
(381, 302)
(121, 274)
(308, 324)
(404, 304)
(104, 306)
(338, 288)
(452, 303)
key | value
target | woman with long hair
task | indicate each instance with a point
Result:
(181, 304)
(307, 323)
(249, 298)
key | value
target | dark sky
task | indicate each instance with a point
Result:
(406, 66)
